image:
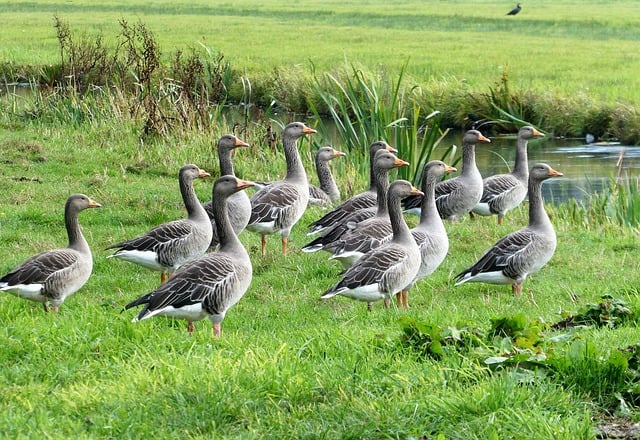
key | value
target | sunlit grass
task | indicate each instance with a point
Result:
(333, 366)
(472, 41)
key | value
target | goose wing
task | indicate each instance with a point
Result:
(210, 275)
(496, 186)
(361, 201)
(373, 268)
(38, 268)
(508, 255)
(159, 236)
(273, 202)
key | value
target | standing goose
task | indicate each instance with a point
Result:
(328, 192)
(387, 269)
(279, 206)
(212, 284)
(503, 192)
(523, 252)
(168, 246)
(456, 197)
(239, 204)
(430, 234)
(367, 199)
(50, 277)
(330, 239)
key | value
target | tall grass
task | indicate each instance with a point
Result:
(210, 54)
(363, 108)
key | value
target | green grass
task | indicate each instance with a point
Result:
(288, 364)
(570, 47)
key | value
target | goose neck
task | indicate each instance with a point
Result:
(521, 167)
(295, 170)
(74, 233)
(398, 225)
(327, 182)
(537, 214)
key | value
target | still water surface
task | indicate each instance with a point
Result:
(587, 168)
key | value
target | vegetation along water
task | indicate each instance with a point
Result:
(123, 94)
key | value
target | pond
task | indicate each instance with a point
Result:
(587, 168)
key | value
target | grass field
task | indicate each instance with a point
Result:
(561, 46)
(289, 365)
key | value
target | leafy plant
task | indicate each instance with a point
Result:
(364, 108)
(430, 340)
(609, 312)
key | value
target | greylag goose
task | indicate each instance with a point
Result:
(239, 204)
(503, 192)
(523, 252)
(430, 234)
(330, 238)
(456, 197)
(276, 208)
(168, 246)
(328, 192)
(212, 284)
(367, 199)
(50, 277)
(387, 269)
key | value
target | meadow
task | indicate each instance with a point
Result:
(570, 65)
(565, 46)
(473, 362)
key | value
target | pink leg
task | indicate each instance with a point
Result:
(516, 289)
(264, 245)
(217, 331)
(190, 328)
(284, 245)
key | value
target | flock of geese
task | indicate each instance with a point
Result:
(205, 269)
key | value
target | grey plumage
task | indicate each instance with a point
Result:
(50, 277)
(328, 192)
(276, 208)
(168, 246)
(238, 203)
(503, 192)
(523, 252)
(387, 269)
(430, 233)
(210, 285)
(364, 200)
(456, 197)
(330, 240)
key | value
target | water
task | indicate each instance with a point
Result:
(587, 168)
